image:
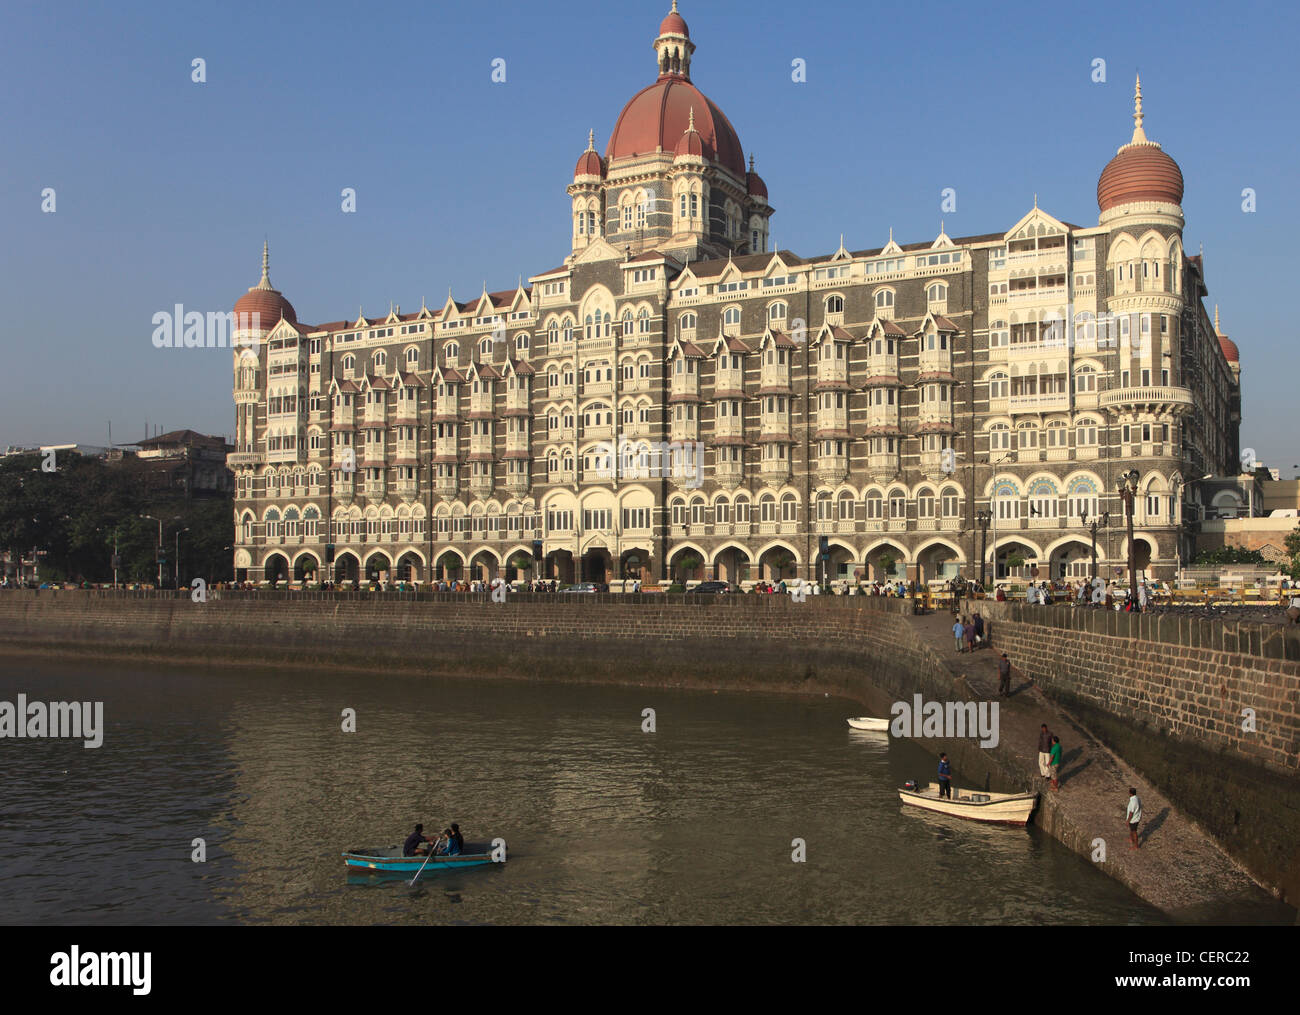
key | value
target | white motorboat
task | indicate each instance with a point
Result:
(994, 808)
(865, 722)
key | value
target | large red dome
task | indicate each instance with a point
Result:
(1140, 172)
(658, 115)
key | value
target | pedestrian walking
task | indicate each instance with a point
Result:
(957, 631)
(968, 632)
(1133, 815)
(979, 630)
(945, 777)
(1004, 677)
(1055, 755)
(1044, 752)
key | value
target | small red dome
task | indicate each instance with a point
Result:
(589, 165)
(1140, 172)
(1229, 348)
(757, 188)
(674, 24)
(692, 144)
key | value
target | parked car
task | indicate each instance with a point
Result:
(583, 587)
(710, 588)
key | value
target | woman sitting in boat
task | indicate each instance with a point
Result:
(447, 844)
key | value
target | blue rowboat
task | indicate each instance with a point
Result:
(389, 859)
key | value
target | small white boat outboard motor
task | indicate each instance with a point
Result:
(912, 785)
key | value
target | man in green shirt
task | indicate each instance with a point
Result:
(1056, 762)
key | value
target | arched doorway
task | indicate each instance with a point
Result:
(731, 564)
(1072, 560)
(378, 567)
(939, 562)
(887, 562)
(306, 568)
(596, 565)
(409, 568)
(686, 564)
(483, 566)
(777, 563)
(558, 566)
(1142, 554)
(346, 568)
(1016, 561)
(275, 568)
(449, 567)
(634, 564)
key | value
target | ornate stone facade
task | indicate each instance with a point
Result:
(919, 405)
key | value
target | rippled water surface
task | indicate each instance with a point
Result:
(605, 824)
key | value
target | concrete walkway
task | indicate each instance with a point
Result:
(1178, 867)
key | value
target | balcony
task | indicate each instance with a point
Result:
(1157, 399)
(1050, 402)
(245, 458)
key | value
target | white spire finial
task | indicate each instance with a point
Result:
(1139, 135)
(591, 140)
(1216, 320)
(265, 282)
(691, 126)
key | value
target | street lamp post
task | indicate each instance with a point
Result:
(982, 519)
(1128, 485)
(1096, 523)
(159, 551)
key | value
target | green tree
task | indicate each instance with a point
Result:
(1292, 545)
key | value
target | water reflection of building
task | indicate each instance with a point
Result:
(1049, 358)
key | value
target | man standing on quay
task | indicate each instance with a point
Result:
(1044, 752)
(1004, 682)
(945, 777)
(1134, 815)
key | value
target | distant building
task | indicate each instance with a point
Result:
(185, 461)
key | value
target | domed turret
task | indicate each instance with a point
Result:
(1140, 170)
(266, 302)
(757, 188)
(589, 164)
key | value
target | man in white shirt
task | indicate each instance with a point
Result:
(1134, 815)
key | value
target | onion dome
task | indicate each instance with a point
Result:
(691, 144)
(674, 24)
(1140, 171)
(264, 301)
(757, 188)
(655, 119)
(589, 163)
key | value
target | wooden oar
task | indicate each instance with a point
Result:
(432, 847)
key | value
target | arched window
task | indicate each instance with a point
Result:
(521, 344)
(627, 323)
(937, 292)
(349, 364)
(925, 502)
(1085, 433)
(1027, 436)
(789, 508)
(412, 358)
(776, 312)
(875, 505)
(999, 437)
(380, 359)
(643, 322)
(767, 508)
(884, 299)
(835, 304)
(450, 351)
(485, 346)
(731, 316)
(998, 385)
(687, 322)
(950, 501)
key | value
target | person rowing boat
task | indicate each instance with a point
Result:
(414, 843)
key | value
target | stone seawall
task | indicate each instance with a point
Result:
(1170, 695)
(864, 648)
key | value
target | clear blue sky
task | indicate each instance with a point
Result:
(166, 188)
